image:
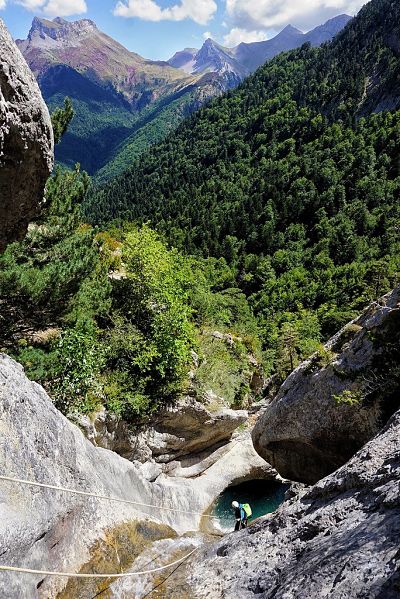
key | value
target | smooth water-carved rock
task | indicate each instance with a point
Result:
(340, 539)
(335, 402)
(26, 142)
(44, 529)
(177, 431)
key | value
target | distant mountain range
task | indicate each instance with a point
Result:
(125, 103)
(244, 59)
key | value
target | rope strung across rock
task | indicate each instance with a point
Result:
(103, 497)
(73, 575)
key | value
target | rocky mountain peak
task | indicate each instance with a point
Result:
(59, 28)
(210, 43)
(215, 58)
(337, 23)
(289, 30)
(211, 48)
(327, 30)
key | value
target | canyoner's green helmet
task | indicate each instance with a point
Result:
(235, 505)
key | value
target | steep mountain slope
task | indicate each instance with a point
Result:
(184, 59)
(154, 123)
(110, 88)
(253, 55)
(327, 31)
(354, 76)
(285, 180)
(222, 69)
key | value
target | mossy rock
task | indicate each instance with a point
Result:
(114, 552)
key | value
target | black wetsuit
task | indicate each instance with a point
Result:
(241, 518)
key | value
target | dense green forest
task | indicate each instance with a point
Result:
(278, 218)
(292, 179)
(151, 126)
(115, 318)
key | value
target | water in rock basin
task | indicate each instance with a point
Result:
(263, 496)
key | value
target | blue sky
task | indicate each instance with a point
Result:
(158, 28)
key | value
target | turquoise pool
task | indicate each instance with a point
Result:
(263, 496)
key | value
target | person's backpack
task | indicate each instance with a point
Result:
(247, 510)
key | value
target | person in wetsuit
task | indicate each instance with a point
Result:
(240, 516)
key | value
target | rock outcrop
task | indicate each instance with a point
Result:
(44, 529)
(339, 399)
(26, 142)
(340, 540)
(178, 431)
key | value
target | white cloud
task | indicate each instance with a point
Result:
(237, 35)
(2, 4)
(65, 8)
(31, 4)
(200, 11)
(207, 35)
(253, 16)
(56, 8)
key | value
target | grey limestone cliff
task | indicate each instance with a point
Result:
(339, 540)
(43, 529)
(335, 402)
(26, 142)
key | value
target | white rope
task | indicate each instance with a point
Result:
(73, 575)
(103, 497)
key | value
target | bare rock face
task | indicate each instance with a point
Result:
(26, 142)
(336, 401)
(339, 540)
(44, 529)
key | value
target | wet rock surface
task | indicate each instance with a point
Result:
(26, 142)
(340, 539)
(335, 402)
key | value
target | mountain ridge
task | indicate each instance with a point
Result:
(249, 56)
(83, 47)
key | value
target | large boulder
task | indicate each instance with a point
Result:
(340, 539)
(26, 142)
(339, 399)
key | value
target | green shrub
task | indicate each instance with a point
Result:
(349, 398)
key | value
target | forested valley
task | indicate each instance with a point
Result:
(277, 217)
(293, 180)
